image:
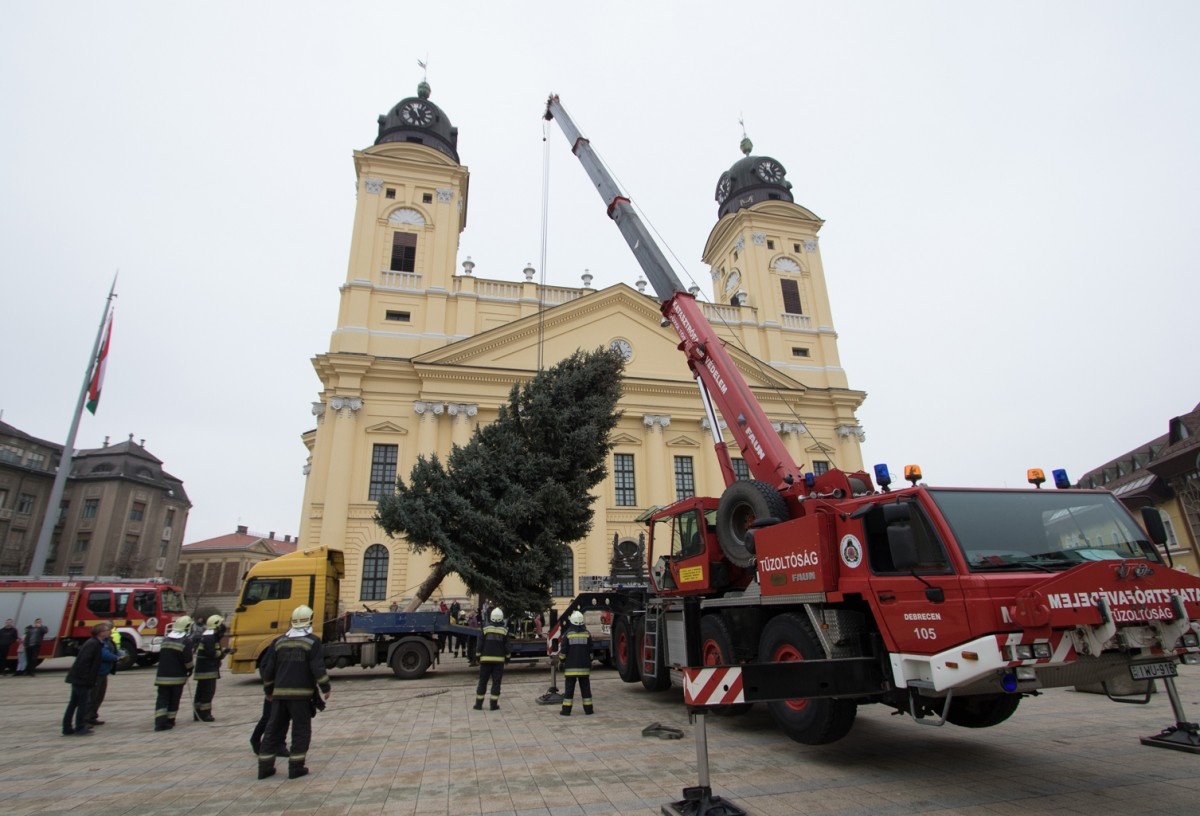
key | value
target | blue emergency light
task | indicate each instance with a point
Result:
(810, 480)
(1060, 479)
(882, 477)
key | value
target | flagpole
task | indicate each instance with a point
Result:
(50, 519)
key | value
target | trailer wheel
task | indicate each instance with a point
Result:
(743, 503)
(811, 721)
(410, 661)
(661, 681)
(716, 649)
(626, 655)
(982, 711)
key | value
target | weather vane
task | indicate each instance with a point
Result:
(424, 67)
(746, 145)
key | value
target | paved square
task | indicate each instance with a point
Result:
(390, 747)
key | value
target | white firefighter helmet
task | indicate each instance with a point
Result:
(497, 615)
(302, 617)
(182, 625)
(577, 618)
(213, 621)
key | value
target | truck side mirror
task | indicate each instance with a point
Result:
(1152, 521)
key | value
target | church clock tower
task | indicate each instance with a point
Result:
(766, 262)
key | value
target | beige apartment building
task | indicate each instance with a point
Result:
(424, 351)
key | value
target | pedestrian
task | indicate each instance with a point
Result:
(292, 673)
(472, 642)
(109, 655)
(34, 635)
(82, 677)
(20, 655)
(493, 653)
(8, 638)
(575, 652)
(209, 654)
(174, 668)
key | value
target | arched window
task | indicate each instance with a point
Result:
(374, 574)
(565, 587)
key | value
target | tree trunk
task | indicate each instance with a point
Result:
(439, 571)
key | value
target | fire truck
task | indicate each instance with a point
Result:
(948, 604)
(142, 610)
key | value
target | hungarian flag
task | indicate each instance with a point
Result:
(93, 398)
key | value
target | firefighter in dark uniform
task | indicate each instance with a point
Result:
(293, 670)
(493, 652)
(174, 668)
(208, 668)
(575, 652)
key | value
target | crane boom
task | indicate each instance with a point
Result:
(721, 384)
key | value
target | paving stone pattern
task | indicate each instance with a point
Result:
(386, 746)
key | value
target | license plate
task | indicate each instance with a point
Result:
(605, 629)
(1149, 671)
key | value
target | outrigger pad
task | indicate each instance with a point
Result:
(662, 731)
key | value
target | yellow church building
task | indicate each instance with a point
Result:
(424, 352)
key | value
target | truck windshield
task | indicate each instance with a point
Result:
(1040, 530)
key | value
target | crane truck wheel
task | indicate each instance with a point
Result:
(743, 503)
(410, 661)
(982, 711)
(716, 649)
(626, 654)
(811, 721)
(661, 681)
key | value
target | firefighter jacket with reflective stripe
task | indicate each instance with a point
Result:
(174, 662)
(294, 667)
(576, 646)
(494, 644)
(208, 656)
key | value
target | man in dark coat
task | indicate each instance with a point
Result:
(82, 677)
(8, 636)
(34, 635)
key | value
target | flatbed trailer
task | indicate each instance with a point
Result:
(409, 642)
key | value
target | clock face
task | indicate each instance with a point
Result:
(623, 346)
(769, 171)
(731, 283)
(417, 113)
(723, 188)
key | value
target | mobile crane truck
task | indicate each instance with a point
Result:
(949, 604)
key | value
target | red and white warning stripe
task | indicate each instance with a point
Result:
(720, 685)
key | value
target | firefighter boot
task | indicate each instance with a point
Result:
(478, 705)
(495, 706)
(266, 767)
(587, 708)
(566, 709)
(296, 769)
(160, 724)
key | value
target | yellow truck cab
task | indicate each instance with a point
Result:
(272, 589)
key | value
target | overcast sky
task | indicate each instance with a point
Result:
(1008, 189)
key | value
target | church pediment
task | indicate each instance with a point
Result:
(618, 314)
(624, 439)
(683, 441)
